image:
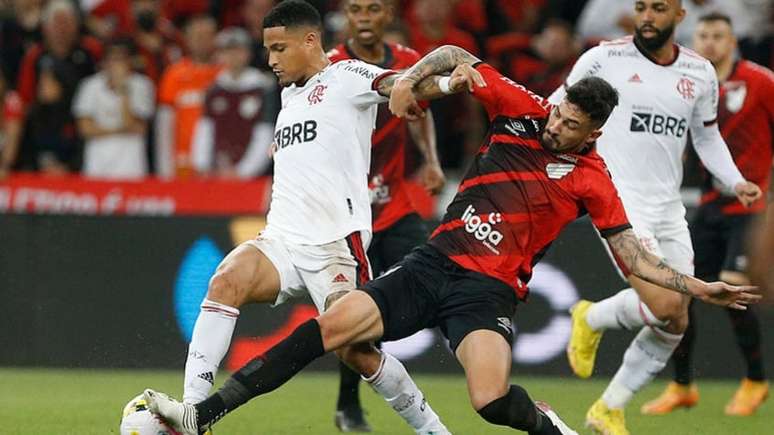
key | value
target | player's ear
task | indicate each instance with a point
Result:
(312, 39)
(594, 136)
(680, 15)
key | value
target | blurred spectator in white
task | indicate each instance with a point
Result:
(606, 19)
(158, 41)
(181, 98)
(48, 78)
(19, 30)
(112, 109)
(234, 134)
(11, 115)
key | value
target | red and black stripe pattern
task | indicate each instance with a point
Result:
(517, 196)
(356, 248)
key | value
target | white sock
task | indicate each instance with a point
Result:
(624, 310)
(644, 359)
(393, 382)
(209, 344)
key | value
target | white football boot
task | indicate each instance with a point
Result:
(554, 417)
(181, 416)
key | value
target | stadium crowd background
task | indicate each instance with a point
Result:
(53, 123)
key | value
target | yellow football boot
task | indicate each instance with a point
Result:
(750, 395)
(582, 348)
(674, 396)
(605, 421)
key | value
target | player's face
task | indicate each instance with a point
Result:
(289, 52)
(655, 21)
(714, 40)
(569, 129)
(367, 20)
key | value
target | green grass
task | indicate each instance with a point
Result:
(61, 402)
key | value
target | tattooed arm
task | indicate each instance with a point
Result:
(653, 269)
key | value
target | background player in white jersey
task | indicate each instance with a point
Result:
(319, 222)
(665, 92)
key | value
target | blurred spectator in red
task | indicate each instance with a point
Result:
(48, 78)
(434, 28)
(539, 62)
(112, 109)
(157, 39)
(19, 31)
(236, 129)
(181, 98)
(11, 115)
(253, 12)
(106, 19)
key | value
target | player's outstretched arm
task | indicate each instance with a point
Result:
(653, 269)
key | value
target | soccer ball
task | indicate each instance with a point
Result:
(138, 420)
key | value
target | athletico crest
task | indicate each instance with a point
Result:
(735, 94)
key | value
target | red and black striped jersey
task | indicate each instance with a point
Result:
(518, 196)
(390, 198)
(746, 121)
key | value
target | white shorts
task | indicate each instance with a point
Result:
(663, 231)
(317, 270)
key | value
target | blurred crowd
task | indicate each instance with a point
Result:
(124, 89)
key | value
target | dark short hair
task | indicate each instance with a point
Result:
(293, 13)
(715, 16)
(120, 43)
(595, 97)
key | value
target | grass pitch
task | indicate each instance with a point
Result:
(84, 402)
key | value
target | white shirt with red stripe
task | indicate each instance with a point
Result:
(322, 152)
(644, 139)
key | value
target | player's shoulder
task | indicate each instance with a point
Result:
(354, 68)
(404, 53)
(613, 48)
(757, 71)
(338, 53)
(692, 63)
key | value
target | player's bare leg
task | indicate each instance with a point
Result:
(245, 275)
(486, 357)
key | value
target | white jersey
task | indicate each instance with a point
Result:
(644, 139)
(322, 153)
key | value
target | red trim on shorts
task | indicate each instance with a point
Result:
(355, 243)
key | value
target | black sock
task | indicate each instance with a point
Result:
(349, 388)
(748, 337)
(517, 410)
(264, 374)
(683, 354)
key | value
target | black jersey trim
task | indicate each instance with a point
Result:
(608, 232)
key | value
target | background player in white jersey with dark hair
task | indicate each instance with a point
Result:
(665, 91)
(319, 222)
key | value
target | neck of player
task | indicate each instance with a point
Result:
(368, 53)
(724, 68)
(317, 64)
(666, 53)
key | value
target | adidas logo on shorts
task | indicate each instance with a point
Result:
(340, 278)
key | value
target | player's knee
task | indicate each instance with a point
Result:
(514, 409)
(669, 309)
(333, 297)
(481, 397)
(224, 288)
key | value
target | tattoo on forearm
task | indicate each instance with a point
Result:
(439, 61)
(645, 265)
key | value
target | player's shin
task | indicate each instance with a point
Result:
(209, 344)
(624, 310)
(393, 382)
(643, 360)
(517, 410)
(264, 374)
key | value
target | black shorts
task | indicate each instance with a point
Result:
(427, 289)
(389, 246)
(719, 242)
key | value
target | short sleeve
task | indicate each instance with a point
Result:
(361, 80)
(502, 95)
(705, 112)
(83, 106)
(587, 65)
(601, 201)
(143, 98)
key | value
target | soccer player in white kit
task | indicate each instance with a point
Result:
(665, 91)
(319, 222)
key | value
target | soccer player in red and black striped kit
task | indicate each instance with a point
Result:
(396, 225)
(536, 172)
(722, 224)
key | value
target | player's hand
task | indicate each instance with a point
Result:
(432, 178)
(403, 104)
(465, 77)
(727, 295)
(747, 193)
